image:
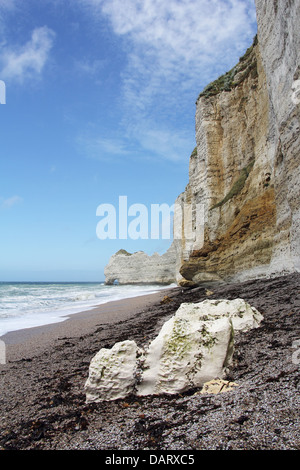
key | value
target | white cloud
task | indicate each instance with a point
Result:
(10, 202)
(91, 144)
(27, 61)
(89, 67)
(144, 140)
(174, 49)
(175, 38)
(7, 5)
(160, 141)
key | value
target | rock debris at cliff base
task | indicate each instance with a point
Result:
(192, 348)
(43, 406)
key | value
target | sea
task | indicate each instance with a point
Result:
(31, 304)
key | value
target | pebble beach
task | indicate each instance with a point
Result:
(42, 399)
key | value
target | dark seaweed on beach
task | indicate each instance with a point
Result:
(43, 405)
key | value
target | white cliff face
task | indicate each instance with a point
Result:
(140, 268)
(192, 348)
(246, 168)
(231, 178)
(279, 43)
(244, 172)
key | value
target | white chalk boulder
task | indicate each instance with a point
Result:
(187, 353)
(194, 347)
(112, 372)
(244, 317)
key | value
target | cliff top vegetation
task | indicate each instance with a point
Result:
(247, 64)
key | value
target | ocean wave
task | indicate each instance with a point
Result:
(81, 297)
(36, 304)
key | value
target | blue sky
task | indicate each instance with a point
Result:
(100, 103)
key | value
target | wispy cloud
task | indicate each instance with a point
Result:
(144, 139)
(89, 67)
(6, 5)
(93, 145)
(27, 61)
(161, 141)
(174, 49)
(169, 41)
(10, 202)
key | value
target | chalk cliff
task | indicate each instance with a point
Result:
(139, 268)
(244, 172)
(242, 202)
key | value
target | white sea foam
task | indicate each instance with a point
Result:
(26, 305)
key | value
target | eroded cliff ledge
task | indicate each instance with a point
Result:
(244, 172)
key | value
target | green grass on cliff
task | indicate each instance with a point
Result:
(194, 152)
(237, 185)
(123, 252)
(230, 80)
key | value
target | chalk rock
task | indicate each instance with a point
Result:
(112, 372)
(244, 171)
(140, 268)
(187, 353)
(243, 316)
(193, 347)
(217, 386)
(231, 175)
(279, 42)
